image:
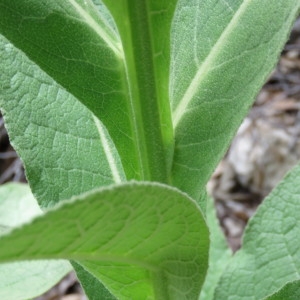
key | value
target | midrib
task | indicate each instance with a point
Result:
(207, 64)
(117, 176)
(112, 44)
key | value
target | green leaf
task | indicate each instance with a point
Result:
(219, 253)
(65, 149)
(270, 255)
(17, 206)
(23, 280)
(289, 292)
(221, 54)
(93, 288)
(149, 239)
(76, 44)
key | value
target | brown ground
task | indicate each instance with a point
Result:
(266, 146)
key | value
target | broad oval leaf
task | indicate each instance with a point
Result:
(65, 149)
(221, 53)
(24, 280)
(77, 45)
(147, 238)
(270, 255)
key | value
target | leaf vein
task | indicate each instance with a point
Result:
(207, 64)
(108, 152)
(116, 47)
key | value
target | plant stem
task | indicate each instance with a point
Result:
(151, 118)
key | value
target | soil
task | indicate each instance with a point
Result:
(266, 146)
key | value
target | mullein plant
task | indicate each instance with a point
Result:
(120, 112)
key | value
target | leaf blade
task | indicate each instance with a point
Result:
(91, 285)
(65, 40)
(169, 239)
(24, 280)
(219, 60)
(290, 291)
(269, 251)
(219, 253)
(109, 39)
(55, 135)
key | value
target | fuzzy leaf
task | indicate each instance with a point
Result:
(219, 253)
(291, 291)
(77, 45)
(221, 54)
(24, 280)
(149, 239)
(270, 255)
(93, 287)
(65, 149)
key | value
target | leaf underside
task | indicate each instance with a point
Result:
(76, 44)
(142, 240)
(85, 108)
(66, 151)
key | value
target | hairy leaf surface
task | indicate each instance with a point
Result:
(221, 53)
(65, 149)
(219, 253)
(77, 45)
(149, 239)
(270, 255)
(92, 286)
(289, 292)
(24, 280)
